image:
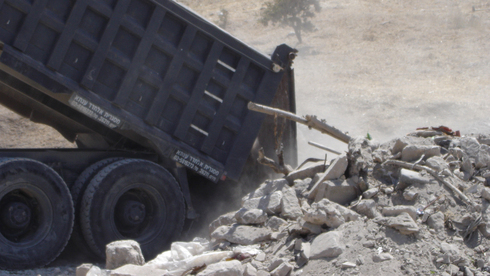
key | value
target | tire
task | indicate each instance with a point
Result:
(36, 214)
(132, 199)
(77, 191)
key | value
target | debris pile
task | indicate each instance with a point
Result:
(417, 205)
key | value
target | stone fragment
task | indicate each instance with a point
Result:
(242, 234)
(437, 163)
(310, 228)
(119, 253)
(382, 257)
(402, 142)
(226, 219)
(290, 207)
(276, 263)
(470, 146)
(409, 195)
(334, 171)
(260, 257)
(271, 204)
(485, 193)
(83, 269)
(409, 177)
(308, 172)
(249, 270)
(360, 155)
(282, 270)
(397, 210)
(327, 245)
(451, 253)
(266, 188)
(263, 273)
(341, 192)
(468, 272)
(348, 265)
(436, 221)
(367, 207)
(370, 193)
(250, 217)
(275, 223)
(131, 269)
(95, 271)
(329, 213)
(415, 152)
(226, 268)
(403, 223)
(301, 186)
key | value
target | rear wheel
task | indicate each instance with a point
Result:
(77, 191)
(132, 199)
(36, 214)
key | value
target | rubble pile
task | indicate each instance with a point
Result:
(417, 205)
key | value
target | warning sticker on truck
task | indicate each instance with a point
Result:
(196, 165)
(94, 111)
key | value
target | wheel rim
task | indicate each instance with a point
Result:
(136, 211)
(24, 215)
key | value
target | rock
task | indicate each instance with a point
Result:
(300, 186)
(436, 221)
(119, 253)
(348, 265)
(382, 257)
(250, 217)
(226, 219)
(304, 173)
(437, 163)
(403, 223)
(131, 269)
(409, 195)
(95, 271)
(402, 142)
(263, 273)
(367, 207)
(310, 228)
(290, 207)
(260, 257)
(226, 268)
(370, 193)
(360, 155)
(468, 272)
(327, 245)
(271, 204)
(483, 159)
(282, 270)
(397, 210)
(249, 270)
(486, 193)
(451, 253)
(242, 234)
(267, 188)
(470, 146)
(275, 223)
(409, 177)
(414, 152)
(452, 269)
(341, 192)
(83, 269)
(329, 213)
(334, 171)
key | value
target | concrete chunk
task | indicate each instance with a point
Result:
(242, 234)
(335, 170)
(271, 204)
(119, 253)
(409, 177)
(290, 207)
(327, 245)
(250, 217)
(414, 152)
(341, 192)
(403, 223)
(397, 210)
(226, 219)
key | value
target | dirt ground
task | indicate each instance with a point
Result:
(372, 66)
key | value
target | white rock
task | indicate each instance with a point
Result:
(254, 216)
(397, 210)
(184, 250)
(348, 265)
(242, 234)
(275, 223)
(282, 270)
(249, 270)
(119, 253)
(226, 219)
(436, 221)
(271, 204)
(414, 152)
(83, 269)
(409, 195)
(290, 207)
(409, 177)
(367, 207)
(227, 268)
(486, 193)
(327, 245)
(382, 257)
(175, 267)
(341, 191)
(370, 193)
(437, 163)
(329, 213)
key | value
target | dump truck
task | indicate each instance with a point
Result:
(150, 93)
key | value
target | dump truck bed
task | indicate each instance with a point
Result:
(149, 71)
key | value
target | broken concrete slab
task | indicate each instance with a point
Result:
(290, 207)
(251, 217)
(271, 204)
(327, 245)
(242, 234)
(119, 253)
(335, 170)
(382, 257)
(403, 223)
(341, 191)
(414, 152)
(226, 268)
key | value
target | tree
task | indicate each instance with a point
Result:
(293, 13)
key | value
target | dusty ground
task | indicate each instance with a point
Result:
(372, 66)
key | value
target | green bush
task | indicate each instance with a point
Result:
(293, 13)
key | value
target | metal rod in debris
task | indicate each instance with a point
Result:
(309, 120)
(323, 147)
